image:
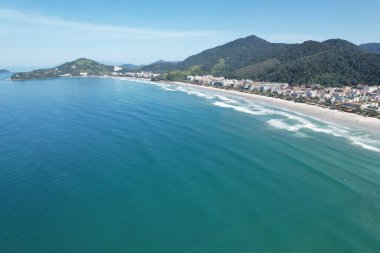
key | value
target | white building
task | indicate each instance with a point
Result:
(117, 68)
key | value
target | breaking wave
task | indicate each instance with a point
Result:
(280, 118)
(241, 108)
(280, 124)
(196, 93)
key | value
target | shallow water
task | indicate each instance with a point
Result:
(103, 165)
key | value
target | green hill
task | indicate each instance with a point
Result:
(79, 67)
(332, 62)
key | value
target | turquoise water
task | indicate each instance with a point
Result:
(102, 165)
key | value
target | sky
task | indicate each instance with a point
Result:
(44, 33)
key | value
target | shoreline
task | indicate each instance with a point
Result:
(351, 120)
(337, 117)
(355, 121)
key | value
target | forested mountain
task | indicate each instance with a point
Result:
(332, 62)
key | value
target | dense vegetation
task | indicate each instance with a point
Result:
(371, 47)
(74, 68)
(332, 62)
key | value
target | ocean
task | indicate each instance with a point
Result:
(109, 165)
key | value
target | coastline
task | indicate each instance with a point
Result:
(351, 120)
(354, 121)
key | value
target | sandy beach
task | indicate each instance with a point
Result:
(351, 120)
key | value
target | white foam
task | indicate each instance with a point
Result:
(365, 142)
(138, 81)
(366, 146)
(239, 108)
(344, 129)
(169, 89)
(196, 93)
(280, 124)
(226, 99)
(303, 123)
(306, 124)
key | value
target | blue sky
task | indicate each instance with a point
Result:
(49, 32)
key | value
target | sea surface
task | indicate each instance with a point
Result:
(108, 165)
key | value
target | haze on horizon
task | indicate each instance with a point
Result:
(43, 33)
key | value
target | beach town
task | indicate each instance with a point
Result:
(360, 99)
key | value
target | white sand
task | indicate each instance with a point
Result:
(337, 117)
(351, 120)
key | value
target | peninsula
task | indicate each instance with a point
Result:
(80, 67)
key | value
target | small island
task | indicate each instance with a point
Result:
(4, 71)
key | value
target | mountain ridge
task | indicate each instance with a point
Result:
(371, 47)
(332, 62)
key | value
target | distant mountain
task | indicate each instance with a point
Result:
(161, 66)
(332, 62)
(111, 63)
(80, 67)
(371, 47)
(4, 71)
(131, 67)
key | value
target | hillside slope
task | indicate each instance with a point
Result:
(75, 68)
(332, 62)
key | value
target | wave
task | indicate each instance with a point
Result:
(169, 89)
(138, 81)
(280, 124)
(301, 122)
(226, 99)
(240, 108)
(194, 92)
(363, 141)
